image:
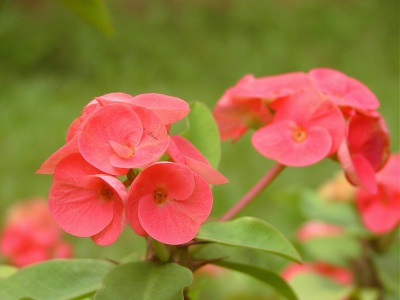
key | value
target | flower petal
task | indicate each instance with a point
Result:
(275, 142)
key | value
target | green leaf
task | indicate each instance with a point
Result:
(6, 271)
(94, 12)
(316, 287)
(250, 233)
(203, 132)
(145, 280)
(55, 279)
(264, 275)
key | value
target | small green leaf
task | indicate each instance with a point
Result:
(6, 271)
(145, 280)
(250, 233)
(264, 275)
(93, 12)
(203, 132)
(55, 279)
(316, 287)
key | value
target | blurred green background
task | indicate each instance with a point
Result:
(52, 64)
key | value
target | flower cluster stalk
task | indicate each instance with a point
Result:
(253, 192)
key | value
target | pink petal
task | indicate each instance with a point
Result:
(180, 146)
(206, 171)
(75, 197)
(77, 125)
(168, 109)
(117, 123)
(152, 145)
(50, 164)
(275, 142)
(272, 87)
(176, 222)
(77, 210)
(343, 90)
(112, 231)
(111, 98)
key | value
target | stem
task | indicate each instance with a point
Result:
(253, 192)
(161, 250)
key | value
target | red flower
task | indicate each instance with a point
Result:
(118, 137)
(306, 129)
(30, 235)
(168, 202)
(380, 212)
(86, 202)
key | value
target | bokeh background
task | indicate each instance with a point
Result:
(52, 63)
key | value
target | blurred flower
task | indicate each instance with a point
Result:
(30, 235)
(380, 211)
(314, 229)
(338, 274)
(337, 189)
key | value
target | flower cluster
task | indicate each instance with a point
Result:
(302, 118)
(118, 134)
(30, 235)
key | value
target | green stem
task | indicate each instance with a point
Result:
(253, 192)
(161, 250)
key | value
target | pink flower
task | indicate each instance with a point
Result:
(315, 229)
(118, 137)
(343, 90)
(168, 109)
(30, 235)
(168, 202)
(338, 274)
(182, 151)
(364, 150)
(236, 114)
(380, 212)
(87, 202)
(305, 129)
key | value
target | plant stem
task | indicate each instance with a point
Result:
(161, 250)
(253, 192)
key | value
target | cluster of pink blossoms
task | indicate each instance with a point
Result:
(117, 134)
(302, 118)
(30, 235)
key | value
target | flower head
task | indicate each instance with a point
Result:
(305, 129)
(168, 202)
(87, 202)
